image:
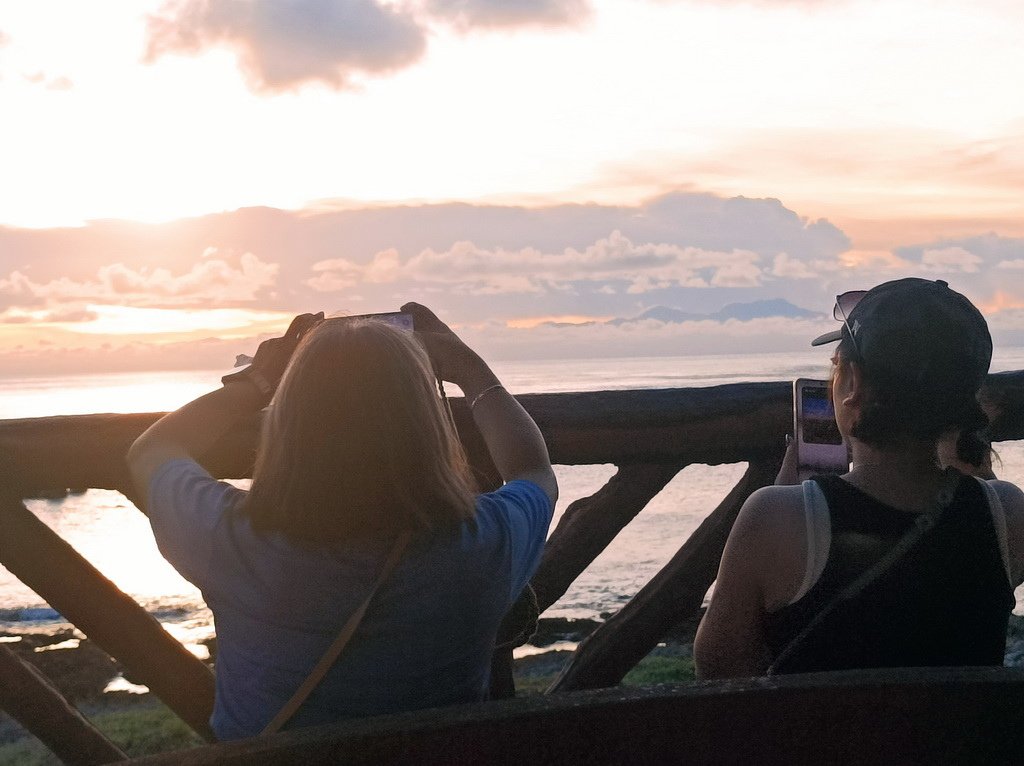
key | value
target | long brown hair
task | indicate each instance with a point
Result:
(357, 442)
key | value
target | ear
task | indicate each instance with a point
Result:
(849, 384)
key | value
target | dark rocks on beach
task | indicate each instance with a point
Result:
(80, 673)
(550, 630)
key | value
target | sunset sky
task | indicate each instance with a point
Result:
(178, 179)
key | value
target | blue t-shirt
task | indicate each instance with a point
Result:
(425, 641)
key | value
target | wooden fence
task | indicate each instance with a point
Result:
(648, 435)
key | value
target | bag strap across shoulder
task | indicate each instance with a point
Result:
(922, 523)
(334, 651)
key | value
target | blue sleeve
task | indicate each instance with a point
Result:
(525, 511)
(186, 506)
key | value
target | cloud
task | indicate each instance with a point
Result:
(66, 314)
(649, 338)
(950, 260)
(465, 14)
(50, 82)
(211, 280)
(616, 258)
(976, 260)
(870, 174)
(784, 266)
(284, 44)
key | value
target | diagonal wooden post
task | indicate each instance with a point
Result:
(590, 523)
(673, 595)
(29, 697)
(67, 582)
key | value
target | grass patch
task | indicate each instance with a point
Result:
(656, 668)
(145, 731)
(661, 670)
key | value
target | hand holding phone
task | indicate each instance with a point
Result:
(820, 447)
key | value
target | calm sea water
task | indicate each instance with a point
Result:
(115, 537)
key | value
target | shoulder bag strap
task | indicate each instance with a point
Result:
(922, 523)
(331, 655)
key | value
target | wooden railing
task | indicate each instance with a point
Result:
(648, 435)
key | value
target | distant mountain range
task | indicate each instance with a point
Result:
(774, 307)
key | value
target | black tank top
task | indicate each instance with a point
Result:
(946, 602)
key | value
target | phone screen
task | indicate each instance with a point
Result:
(395, 318)
(818, 416)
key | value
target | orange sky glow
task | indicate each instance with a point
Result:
(180, 181)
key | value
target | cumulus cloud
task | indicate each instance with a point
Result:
(785, 266)
(616, 258)
(465, 14)
(1016, 264)
(281, 45)
(950, 260)
(211, 280)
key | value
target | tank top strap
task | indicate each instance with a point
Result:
(818, 530)
(995, 507)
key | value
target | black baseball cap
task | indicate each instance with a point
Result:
(918, 331)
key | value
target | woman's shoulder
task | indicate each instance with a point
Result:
(1010, 495)
(771, 518)
(768, 544)
(768, 503)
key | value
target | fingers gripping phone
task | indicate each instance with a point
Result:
(819, 445)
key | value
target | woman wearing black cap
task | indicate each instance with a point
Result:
(898, 563)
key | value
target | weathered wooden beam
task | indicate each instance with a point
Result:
(673, 595)
(38, 557)
(89, 450)
(590, 523)
(1003, 400)
(714, 425)
(903, 716)
(29, 697)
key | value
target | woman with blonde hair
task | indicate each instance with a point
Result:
(901, 562)
(361, 574)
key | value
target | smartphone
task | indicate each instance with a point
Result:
(819, 445)
(397, 319)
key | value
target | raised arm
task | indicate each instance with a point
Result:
(761, 569)
(193, 429)
(516, 445)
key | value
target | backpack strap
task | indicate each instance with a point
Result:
(334, 650)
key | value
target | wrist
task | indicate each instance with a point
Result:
(245, 394)
(470, 372)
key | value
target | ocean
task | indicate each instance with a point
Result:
(111, 533)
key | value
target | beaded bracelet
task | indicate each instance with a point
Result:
(484, 393)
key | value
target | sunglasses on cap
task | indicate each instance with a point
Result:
(845, 304)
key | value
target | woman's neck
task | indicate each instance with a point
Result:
(906, 478)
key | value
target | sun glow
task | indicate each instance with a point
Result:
(129, 320)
